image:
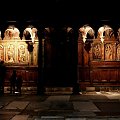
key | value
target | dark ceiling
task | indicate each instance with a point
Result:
(62, 12)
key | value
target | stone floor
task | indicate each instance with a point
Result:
(85, 106)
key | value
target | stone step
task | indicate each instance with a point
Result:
(58, 90)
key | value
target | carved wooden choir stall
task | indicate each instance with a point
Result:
(20, 54)
(98, 58)
(88, 60)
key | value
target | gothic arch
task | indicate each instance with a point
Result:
(30, 33)
(11, 32)
(87, 32)
(30, 36)
(105, 32)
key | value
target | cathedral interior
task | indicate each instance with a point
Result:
(61, 44)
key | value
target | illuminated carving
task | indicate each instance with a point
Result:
(105, 31)
(11, 33)
(35, 54)
(87, 30)
(21, 53)
(30, 34)
(11, 53)
(1, 52)
(108, 52)
(97, 51)
(118, 52)
(14, 51)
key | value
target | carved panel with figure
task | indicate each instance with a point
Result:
(22, 53)
(108, 52)
(35, 54)
(15, 52)
(97, 51)
(10, 53)
(118, 52)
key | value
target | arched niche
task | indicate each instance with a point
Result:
(30, 36)
(86, 32)
(105, 33)
(118, 45)
(12, 33)
(30, 33)
(14, 50)
(108, 43)
(17, 51)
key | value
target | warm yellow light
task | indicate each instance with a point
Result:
(102, 39)
(84, 39)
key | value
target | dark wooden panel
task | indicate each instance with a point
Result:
(29, 75)
(83, 74)
(101, 68)
(105, 64)
(104, 75)
(119, 75)
(80, 54)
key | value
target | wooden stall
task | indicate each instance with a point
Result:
(21, 55)
(99, 61)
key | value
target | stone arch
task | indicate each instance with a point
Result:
(86, 31)
(105, 32)
(30, 33)
(11, 32)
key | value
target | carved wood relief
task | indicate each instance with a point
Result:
(108, 51)
(16, 52)
(11, 33)
(104, 59)
(118, 52)
(22, 53)
(10, 53)
(97, 51)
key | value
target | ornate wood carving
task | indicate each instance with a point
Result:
(103, 59)
(15, 52)
(97, 51)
